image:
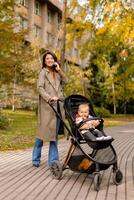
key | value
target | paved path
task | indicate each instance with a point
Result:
(19, 180)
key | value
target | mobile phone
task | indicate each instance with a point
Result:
(54, 66)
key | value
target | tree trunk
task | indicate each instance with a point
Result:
(125, 93)
(113, 90)
(63, 39)
(14, 88)
(114, 102)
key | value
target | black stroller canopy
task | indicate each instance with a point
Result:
(72, 103)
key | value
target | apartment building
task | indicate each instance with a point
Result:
(43, 19)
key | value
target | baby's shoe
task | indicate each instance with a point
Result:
(107, 137)
(100, 138)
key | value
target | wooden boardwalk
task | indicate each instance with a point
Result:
(19, 180)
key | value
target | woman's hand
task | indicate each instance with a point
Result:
(57, 67)
(53, 99)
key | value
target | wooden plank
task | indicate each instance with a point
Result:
(76, 186)
(21, 189)
(129, 176)
(121, 189)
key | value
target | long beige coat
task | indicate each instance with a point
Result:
(48, 87)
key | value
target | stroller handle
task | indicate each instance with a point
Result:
(61, 99)
(54, 101)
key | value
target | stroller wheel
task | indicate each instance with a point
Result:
(117, 177)
(56, 169)
(97, 181)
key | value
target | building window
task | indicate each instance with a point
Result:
(37, 9)
(76, 54)
(49, 38)
(23, 22)
(24, 2)
(37, 31)
(49, 16)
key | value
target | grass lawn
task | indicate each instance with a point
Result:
(116, 120)
(22, 129)
(21, 132)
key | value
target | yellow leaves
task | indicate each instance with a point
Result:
(127, 29)
(101, 30)
(130, 86)
(119, 25)
(124, 53)
(104, 28)
(77, 78)
(112, 9)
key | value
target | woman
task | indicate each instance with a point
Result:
(50, 81)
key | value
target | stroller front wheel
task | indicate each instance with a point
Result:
(117, 177)
(97, 181)
(56, 169)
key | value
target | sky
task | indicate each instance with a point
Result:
(81, 2)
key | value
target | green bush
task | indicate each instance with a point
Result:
(102, 112)
(4, 122)
(29, 105)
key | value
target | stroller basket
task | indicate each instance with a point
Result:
(103, 156)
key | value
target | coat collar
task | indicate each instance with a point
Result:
(54, 82)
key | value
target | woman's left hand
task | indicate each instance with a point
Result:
(53, 99)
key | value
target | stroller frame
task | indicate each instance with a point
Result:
(76, 142)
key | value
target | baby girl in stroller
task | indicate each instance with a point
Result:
(88, 124)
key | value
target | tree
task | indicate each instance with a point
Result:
(77, 81)
(101, 25)
(16, 54)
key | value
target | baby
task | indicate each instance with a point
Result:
(83, 114)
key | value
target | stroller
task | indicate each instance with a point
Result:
(90, 156)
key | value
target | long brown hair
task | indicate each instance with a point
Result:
(44, 57)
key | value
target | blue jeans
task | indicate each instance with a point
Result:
(52, 155)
